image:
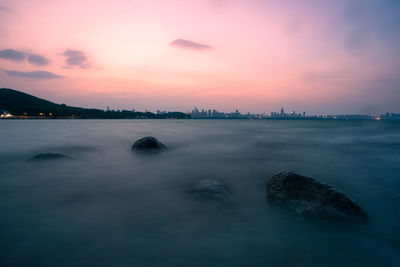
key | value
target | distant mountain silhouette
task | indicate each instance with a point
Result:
(22, 104)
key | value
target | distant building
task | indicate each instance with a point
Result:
(215, 114)
(389, 116)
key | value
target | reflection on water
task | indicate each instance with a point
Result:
(107, 206)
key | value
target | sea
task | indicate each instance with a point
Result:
(106, 205)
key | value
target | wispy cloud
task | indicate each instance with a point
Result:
(38, 60)
(33, 74)
(75, 58)
(187, 44)
(20, 56)
(12, 55)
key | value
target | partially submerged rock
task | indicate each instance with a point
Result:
(48, 156)
(210, 188)
(308, 196)
(148, 143)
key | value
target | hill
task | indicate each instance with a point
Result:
(22, 104)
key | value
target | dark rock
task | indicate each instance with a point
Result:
(308, 196)
(148, 143)
(211, 189)
(49, 156)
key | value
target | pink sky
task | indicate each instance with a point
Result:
(251, 55)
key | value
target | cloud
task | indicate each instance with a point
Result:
(187, 44)
(12, 55)
(75, 58)
(33, 74)
(38, 60)
(20, 56)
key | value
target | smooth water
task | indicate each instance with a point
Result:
(108, 206)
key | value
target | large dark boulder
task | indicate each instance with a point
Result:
(210, 189)
(148, 143)
(310, 197)
(48, 156)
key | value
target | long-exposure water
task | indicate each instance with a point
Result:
(105, 205)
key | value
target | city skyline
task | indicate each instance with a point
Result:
(315, 55)
(19, 105)
(282, 112)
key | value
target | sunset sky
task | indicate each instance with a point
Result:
(318, 56)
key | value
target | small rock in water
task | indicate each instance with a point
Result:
(148, 143)
(48, 156)
(210, 188)
(308, 196)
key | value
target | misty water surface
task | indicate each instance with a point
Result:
(108, 206)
